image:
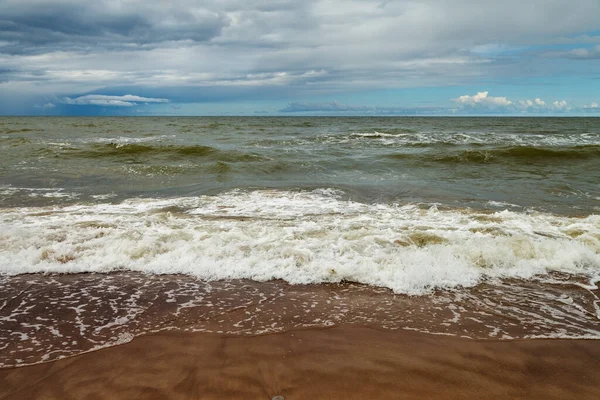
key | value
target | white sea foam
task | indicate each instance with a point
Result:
(104, 196)
(300, 237)
(466, 138)
(125, 140)
(7, 190)
(501, 204)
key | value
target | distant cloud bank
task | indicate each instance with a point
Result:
(127, 100)
(483, 102)
(479, 103)
(335, 107)
(483, 99)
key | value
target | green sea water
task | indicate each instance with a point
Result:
(548, 164)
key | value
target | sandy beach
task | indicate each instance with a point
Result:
(341, 362)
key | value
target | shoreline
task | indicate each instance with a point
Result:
(338, 362)
(48, 317)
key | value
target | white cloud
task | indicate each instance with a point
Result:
(482, 99)
(536, 104)
(561, 105)
(526, 103)
(127, 100)
(483, 103)
(334, 107)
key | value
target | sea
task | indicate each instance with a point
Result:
(483, 228)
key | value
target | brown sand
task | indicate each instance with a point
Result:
(336, 363)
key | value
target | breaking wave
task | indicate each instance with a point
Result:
(300, 237)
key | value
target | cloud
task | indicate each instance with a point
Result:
(483, 103)
(116, 101)
(582, 53)
(536, 104)
(217, 50)
(47, 106)
(335, 24)
(335, 107)
(561, 105)
(480, 103)
(579, 39)
(34, 25)
(482, 99)
(539, 105)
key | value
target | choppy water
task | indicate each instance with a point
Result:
(549, 164)
(464, 212)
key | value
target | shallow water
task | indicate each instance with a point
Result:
(48, 317)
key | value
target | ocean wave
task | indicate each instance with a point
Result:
(406, 133)
(123, 140)
(523, 154)
(7, 141)
(23, 130)
(432, 139)
(300, 237)
(7, 190)
(512, 154)
(117, 150)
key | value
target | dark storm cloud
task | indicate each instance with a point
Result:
(30, 26)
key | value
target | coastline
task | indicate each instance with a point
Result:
(50, 317)
(322, 258)
(348, 362)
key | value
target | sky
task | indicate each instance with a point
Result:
(293, 57)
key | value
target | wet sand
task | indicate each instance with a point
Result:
(48, 317)
(338, 363)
